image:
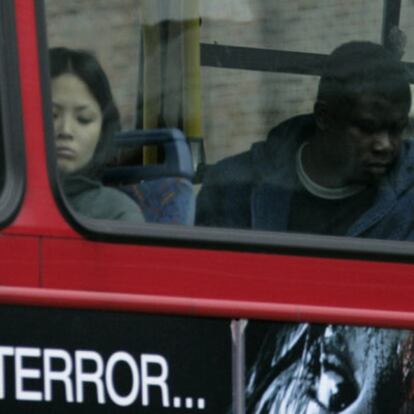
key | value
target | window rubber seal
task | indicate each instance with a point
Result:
(11, 197)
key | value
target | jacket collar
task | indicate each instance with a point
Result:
(391, 188)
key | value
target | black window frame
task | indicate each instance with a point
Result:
(12, 193)
(225, 239)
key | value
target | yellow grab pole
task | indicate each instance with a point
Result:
(152, 74)
(192, 70)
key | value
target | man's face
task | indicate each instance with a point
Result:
(364, 141)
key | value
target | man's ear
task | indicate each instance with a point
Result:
(321, 114)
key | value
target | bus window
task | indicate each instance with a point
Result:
(231, 117)
(100, 144)
(286, 181)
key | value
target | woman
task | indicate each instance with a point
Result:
(85, 120)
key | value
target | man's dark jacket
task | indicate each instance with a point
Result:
(254, 189)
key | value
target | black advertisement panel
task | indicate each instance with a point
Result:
(322, 369)
(90, 361)
(86, 361)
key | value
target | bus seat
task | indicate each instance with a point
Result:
(164, 190)
(167, 200)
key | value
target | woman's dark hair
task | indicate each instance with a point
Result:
(85, 66)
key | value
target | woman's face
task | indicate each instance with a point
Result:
(77, 121)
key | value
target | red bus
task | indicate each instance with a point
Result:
(164, 316)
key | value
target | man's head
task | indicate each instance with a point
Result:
(361, 111)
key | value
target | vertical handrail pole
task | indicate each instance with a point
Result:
(192, 111)
(152, 87)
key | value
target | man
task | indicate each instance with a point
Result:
(343, 170)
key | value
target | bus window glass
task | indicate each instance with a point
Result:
(407, 13)
(329, 170)
(276, 97)
(77, 25)
(291, 25)
(95, 91)
(296, 117)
